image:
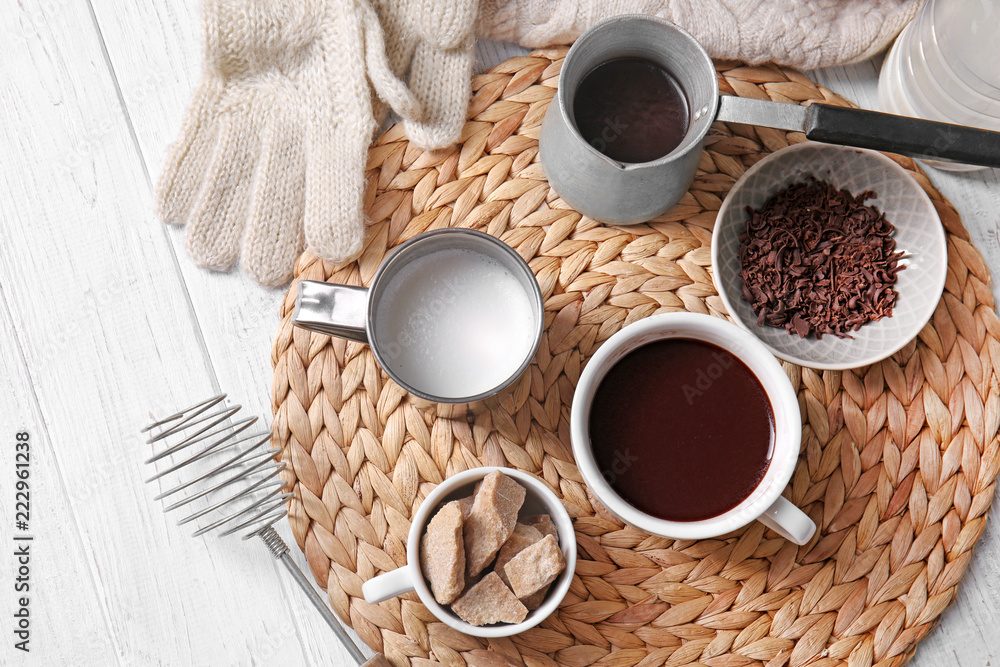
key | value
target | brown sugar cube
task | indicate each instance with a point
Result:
(489, 601)
(491, 520)
(543, 523)
(466, 505)
(522, 537)
(535, 600)
(442, 553)
(535, 567)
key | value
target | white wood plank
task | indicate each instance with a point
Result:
(59, 588)
(154, 51)
(967, 634)
(150, 51)
(108, 335)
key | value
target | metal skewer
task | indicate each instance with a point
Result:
(241, 486)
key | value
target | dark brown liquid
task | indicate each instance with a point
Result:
(631, 109)
(682, 429)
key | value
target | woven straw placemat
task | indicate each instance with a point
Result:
(898, 459)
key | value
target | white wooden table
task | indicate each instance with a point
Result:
(105, 321)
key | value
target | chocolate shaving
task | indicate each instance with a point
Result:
(818, 260)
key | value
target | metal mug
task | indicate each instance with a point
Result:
(630, 193)
(402, 339)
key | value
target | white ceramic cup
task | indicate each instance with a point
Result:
(538, 499)
(765, 502)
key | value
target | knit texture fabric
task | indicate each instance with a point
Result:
(800, 33)
(272, 149)
(433, 41)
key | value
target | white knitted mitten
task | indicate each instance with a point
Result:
(433, 41)
(801, 33)
(272, 150)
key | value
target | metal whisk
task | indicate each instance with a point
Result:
(223, 458)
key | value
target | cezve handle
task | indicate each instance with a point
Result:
(861, 128)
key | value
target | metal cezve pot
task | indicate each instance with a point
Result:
(628, 193)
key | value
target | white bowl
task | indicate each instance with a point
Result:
(918, 234)
(538, 499)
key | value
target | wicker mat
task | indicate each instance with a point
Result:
(898, 459)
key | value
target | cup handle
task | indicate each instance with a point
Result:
(788, 521)
(388, 585)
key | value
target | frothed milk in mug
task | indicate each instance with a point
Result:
(455, 322)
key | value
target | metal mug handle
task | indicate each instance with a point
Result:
(335, 310)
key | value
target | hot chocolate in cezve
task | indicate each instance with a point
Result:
(631, 109)
(682, 430)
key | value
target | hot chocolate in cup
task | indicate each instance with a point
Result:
(685, 426)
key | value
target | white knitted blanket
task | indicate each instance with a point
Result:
(271, 154)
(800, 33)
